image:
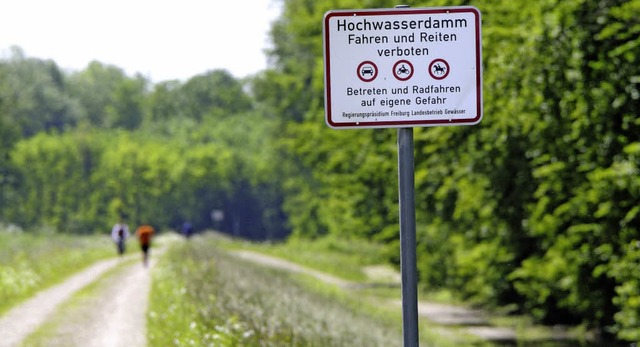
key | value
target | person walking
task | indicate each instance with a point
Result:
(119, 235)
(187, 230)
(145, 233)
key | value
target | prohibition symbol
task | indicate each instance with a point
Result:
(402, 70)
(439, 69)
(367, 71)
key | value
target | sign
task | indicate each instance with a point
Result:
(406, 67)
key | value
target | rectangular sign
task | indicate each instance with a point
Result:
(405, 67)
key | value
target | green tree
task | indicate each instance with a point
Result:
(97, 88)
(55, 172)
(127, 108)
(34, 95)
(215, 94)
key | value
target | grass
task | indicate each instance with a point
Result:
(343, 258)
(204, 296)
(29, 263)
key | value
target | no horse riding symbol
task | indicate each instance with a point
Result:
(439, 69)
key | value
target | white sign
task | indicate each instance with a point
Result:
(402, 67)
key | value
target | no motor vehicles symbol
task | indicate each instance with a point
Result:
(367, 71)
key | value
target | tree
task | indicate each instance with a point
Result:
(97, 88)
(127, 108)
(34, 94)
(216, 94)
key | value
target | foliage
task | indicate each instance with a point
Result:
(109, 98)
(141, 175)
(160, 173)
(35, 97)
(536, 205)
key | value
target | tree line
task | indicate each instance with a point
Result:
(83, 149)
(538, 206)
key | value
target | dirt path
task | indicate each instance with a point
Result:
(123, 320)
(111, 315)
(19, 322)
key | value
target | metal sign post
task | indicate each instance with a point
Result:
(408, 257)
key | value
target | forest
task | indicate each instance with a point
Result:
(535, 208)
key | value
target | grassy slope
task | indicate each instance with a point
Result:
(347, 259)
(202, 293)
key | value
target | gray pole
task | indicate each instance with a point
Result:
(408, 261)
(409, 270)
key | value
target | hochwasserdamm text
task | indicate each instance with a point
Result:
(429, 23)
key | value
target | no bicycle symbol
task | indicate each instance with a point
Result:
(439, 69)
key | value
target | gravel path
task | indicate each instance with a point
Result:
(123, 322)
(114, 316)
(19, 322)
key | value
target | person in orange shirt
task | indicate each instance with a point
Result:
(145, 233)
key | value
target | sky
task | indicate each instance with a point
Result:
(160, 39)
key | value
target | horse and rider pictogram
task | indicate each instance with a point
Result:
(439, 69)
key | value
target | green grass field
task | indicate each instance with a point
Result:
(201, 292)
(203, 295)
(206, 296)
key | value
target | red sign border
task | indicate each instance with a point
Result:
(404, 123)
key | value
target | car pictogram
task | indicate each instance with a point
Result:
(367, 70)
